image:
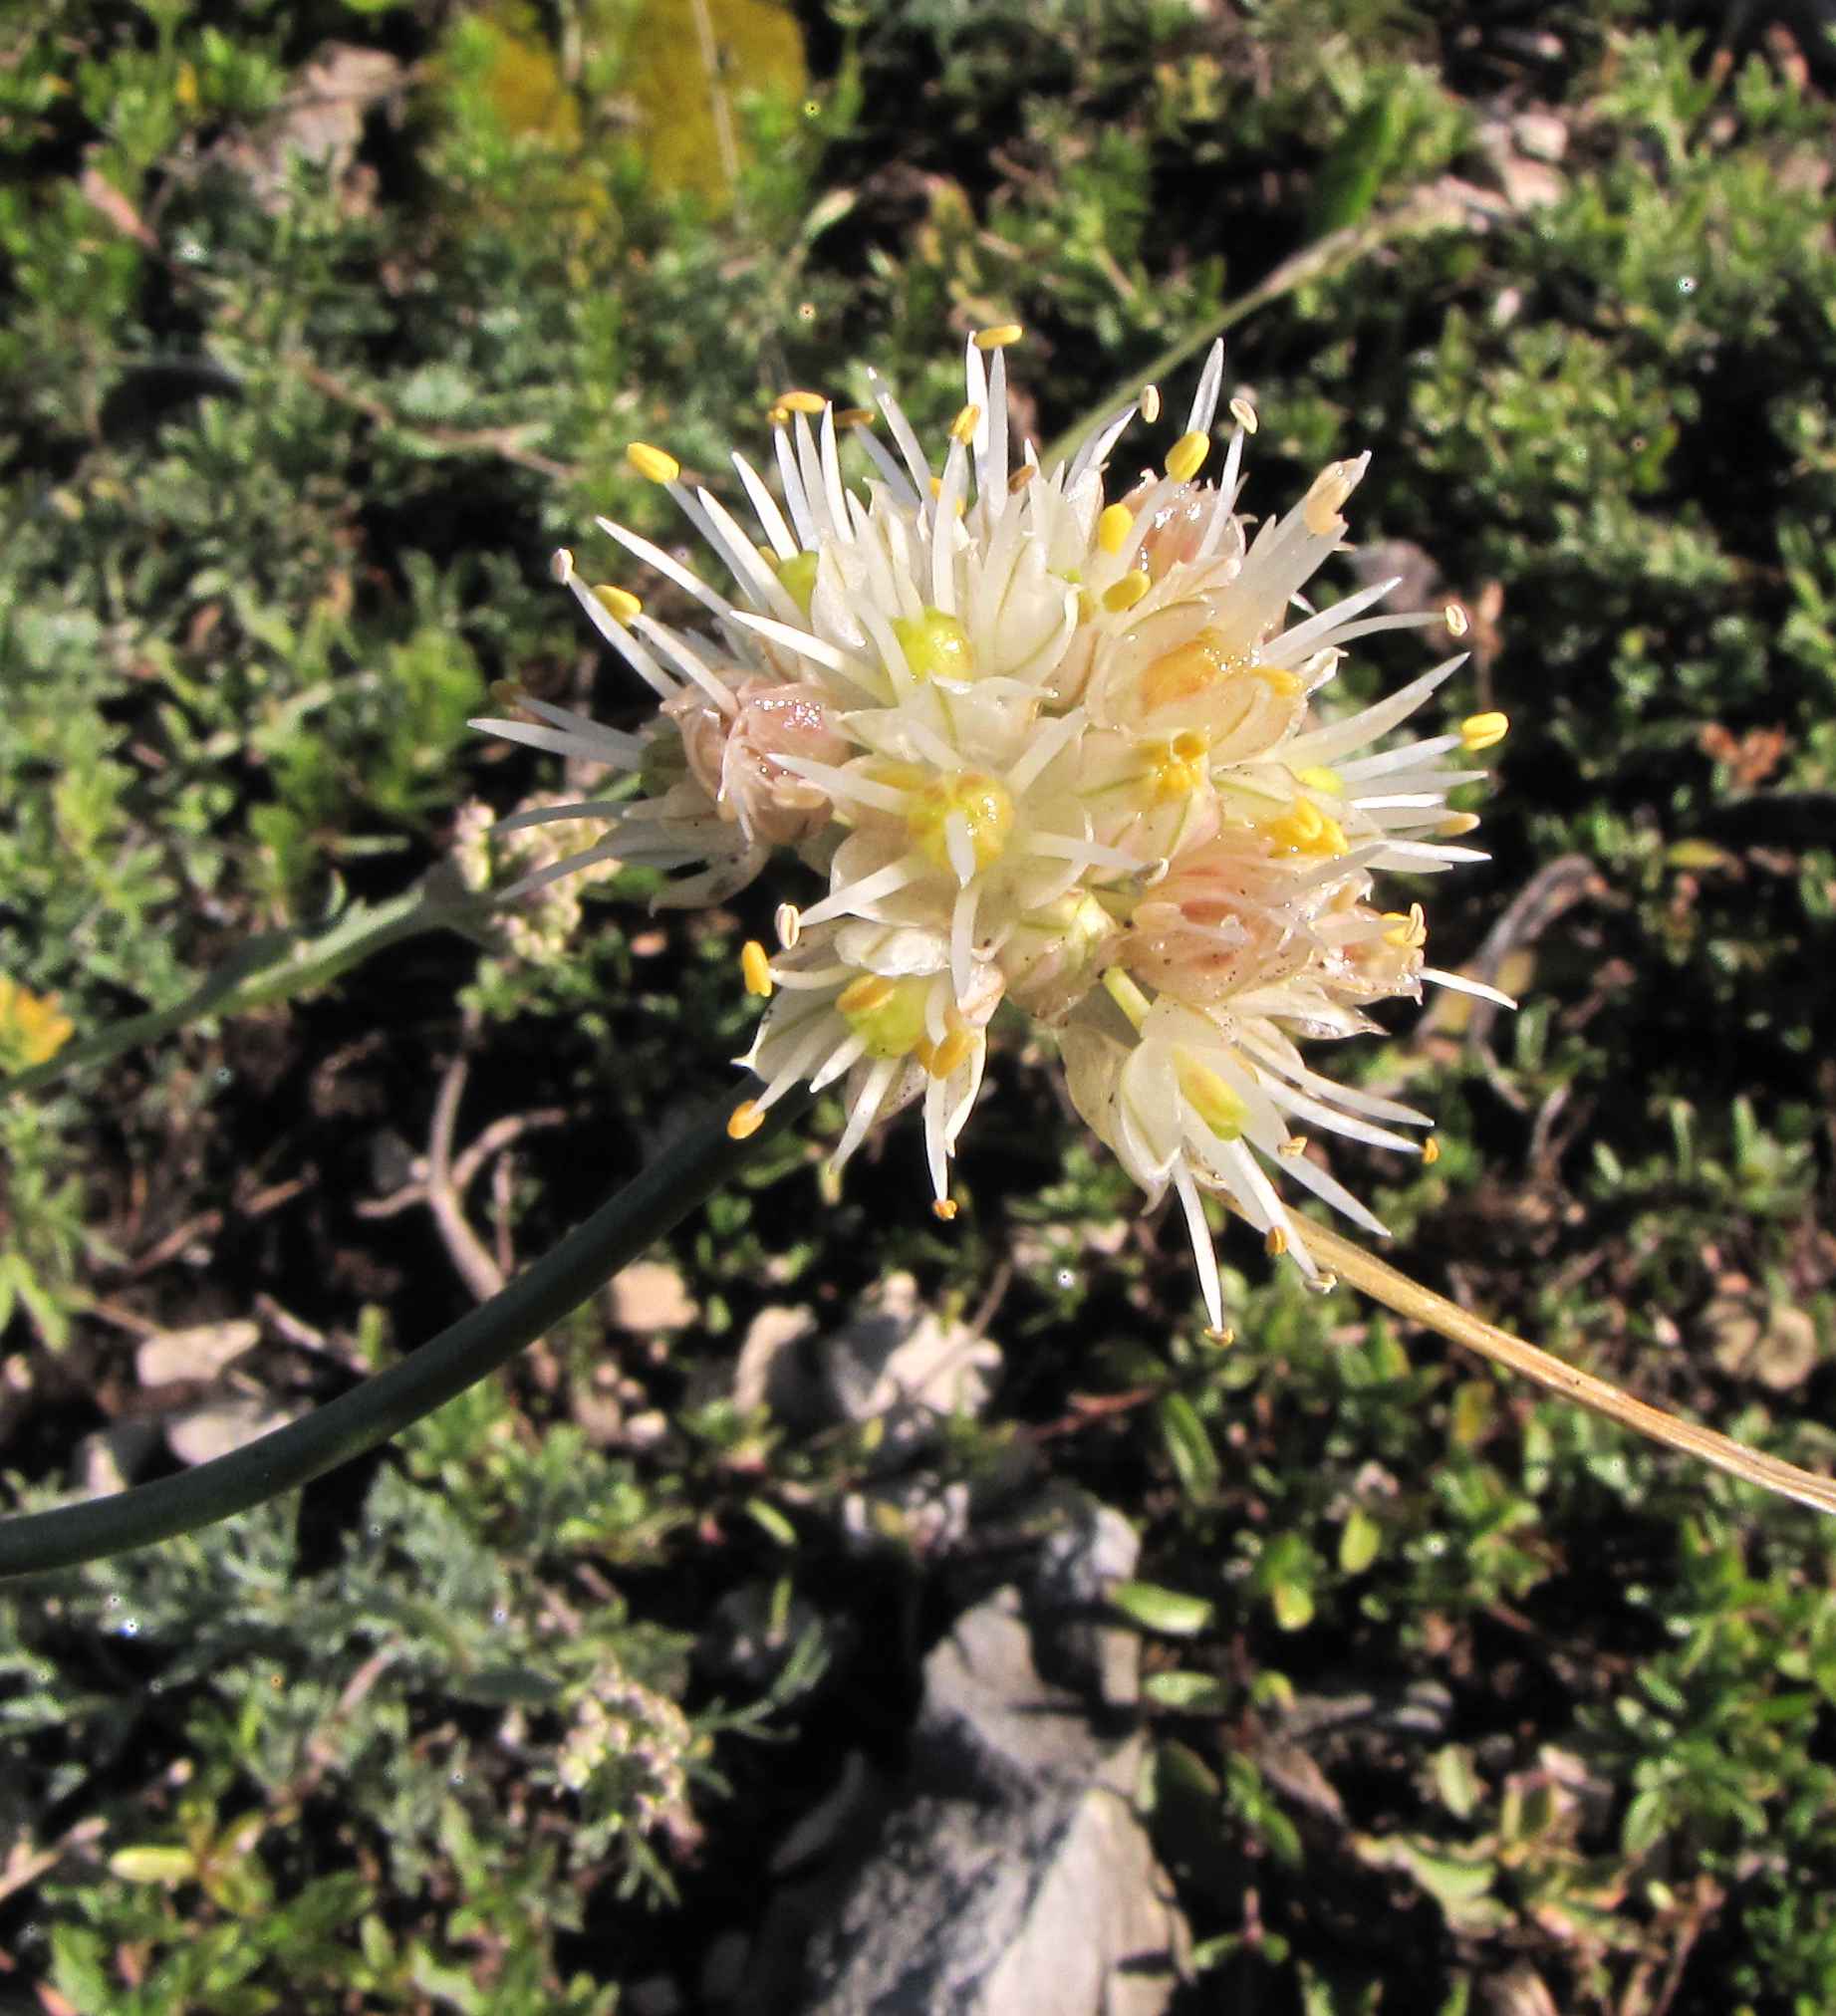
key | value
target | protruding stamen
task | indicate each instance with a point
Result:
(1186, 456)
(1457, 822)
(1431, 1152)
(1408, 933)
(856, 416)
(945, 1209)
(962, 427)
(756, 969)
(653, 464)
(618, 603)
(800, 402)
(1457, 620)
(1126, 593)
(1243, 413)
(745, 1119)
(1021, 477)
(1277, 1243)
(788, 923)
(999, 335)
(562, 565)
(1484, 731)
(1149, 404)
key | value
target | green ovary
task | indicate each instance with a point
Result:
(798, 573)
(888, 1015)
(936, 646)
(1210, 1097)
(986, 808)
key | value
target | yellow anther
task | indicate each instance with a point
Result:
(1305, 829)
(1457, 624)
(1210, 1097)
(864, 994)
(653, 464)
(801, 403)
(1176, 769)
(1408, 933)
(945, 1209)
(1188, 455)
(1317, 777)
(746, 1118)
(1293, 1147)
(983, 803)
(1430, 1152)
(756, 969)
(1222, 1339)
(1244, 415)
(1113, 527)
(618, 603)
(1126, 591)
(1484, 731)
(999, 335)
(1320, 510)
(562, 565)
(1125, 996)
(1300, 826)
(1457, 822)
(856, 416)
(1021, 477)
(798, 575)
(962, 427)
(949, 1055)
(1279, 680)
(1277, 1243)
(935, 645)
(936, 486)
(779, 416)
(1149, 405)
(788, 923)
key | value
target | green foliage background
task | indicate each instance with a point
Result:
(322, 325)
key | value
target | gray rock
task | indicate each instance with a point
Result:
(1013, 1877)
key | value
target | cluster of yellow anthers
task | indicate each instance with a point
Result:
(1045, 748)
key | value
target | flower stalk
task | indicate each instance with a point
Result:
(1397, 1291)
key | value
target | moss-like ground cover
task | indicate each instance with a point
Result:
(323, 324)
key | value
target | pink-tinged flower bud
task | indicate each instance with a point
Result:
(734, 757)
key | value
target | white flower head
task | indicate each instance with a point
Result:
(1043, 746)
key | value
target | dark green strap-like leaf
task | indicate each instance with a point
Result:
(681, 1178)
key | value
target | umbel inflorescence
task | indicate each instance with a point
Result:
(1042, 745)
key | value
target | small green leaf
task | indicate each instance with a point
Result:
(150, 1864)
(1360, 1538)
(1163, 1610)
(1187, 1693)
